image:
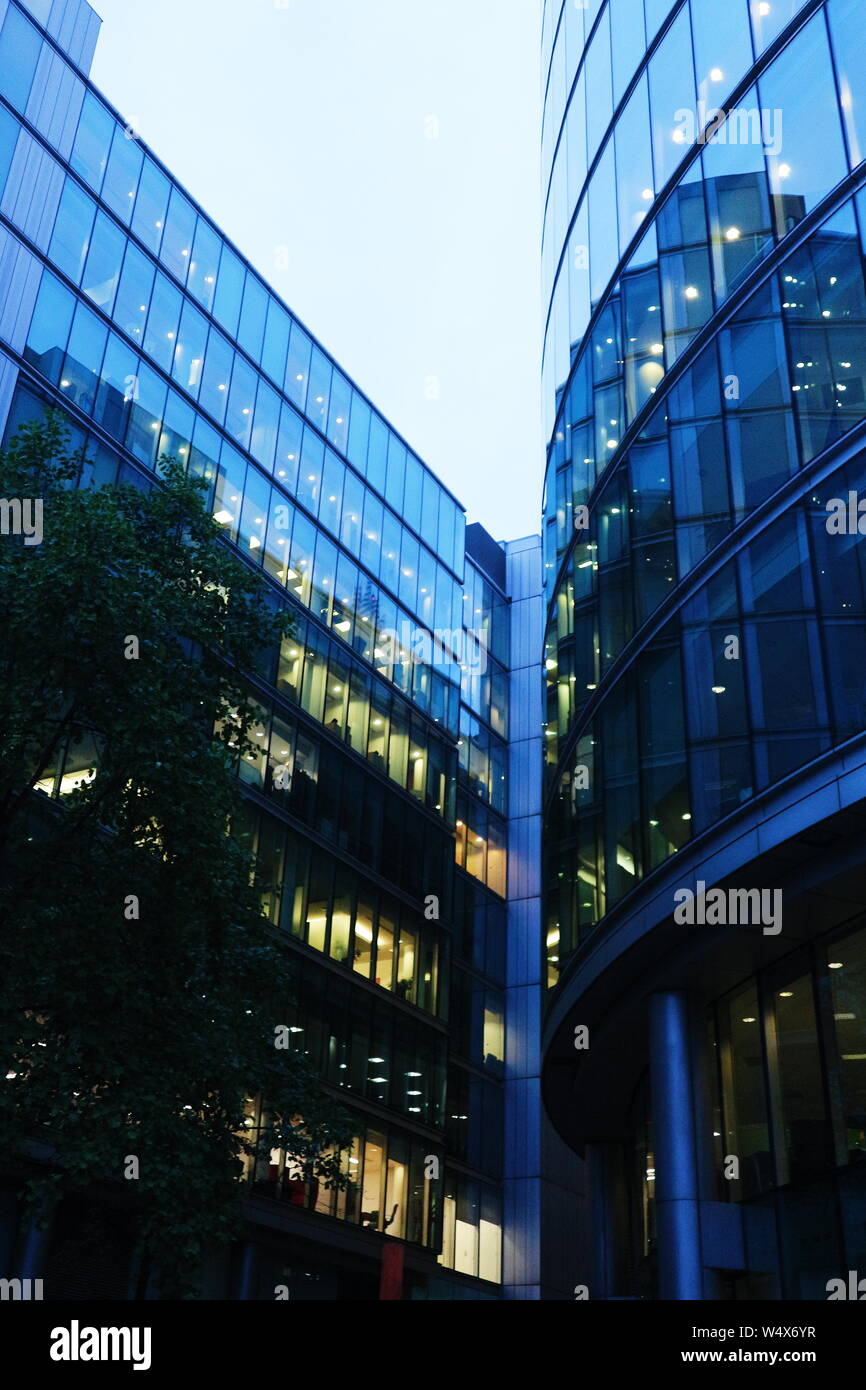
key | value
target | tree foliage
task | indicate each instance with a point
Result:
(140, 986)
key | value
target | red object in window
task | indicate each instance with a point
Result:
(391, 1282)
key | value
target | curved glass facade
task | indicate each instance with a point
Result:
(705, 369)
(704, 272)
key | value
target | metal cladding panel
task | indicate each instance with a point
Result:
(521, 1252)
(524, 943)
(33, 191)
(55, 101)
(524, 846)
(523, 1051)
(8, 379)
(76, 27)
(20, 269)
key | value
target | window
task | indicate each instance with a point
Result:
(92, 141)
(203, 266)
(119, 375)
(83, 360)
(133, 294)
(148, 220)
(298, 366)
(160, 337)
(811, 159)
(178, 237)
(276, 344)
(49, 327)
(122, 175)
(190, 348)
(71, 237)
(216, 376)
(242, 401)
(102, 271)
(253, 316)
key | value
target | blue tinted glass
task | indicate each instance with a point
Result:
(229, 291)
(71, 238)
(264, 437)
(216, 377)
(409, 556)
(319, 394)
(162, 320)
(392, 537)
(331, 499)
(204, 264)
(8, 140)
(190, 347)
(353, 510)
(276, 345)
(242, 402)
(723, 52)
(148, 406)
(178, 237)
(122, 175)
(413, 493)
(395, 479)
(83, 360)
(627, 39)
(447, 521)
(310, 474)
(20, 45)
(672, 91)
(769, 20)
(599, 105)
(119, 375)
(377, 453)
(133, 295)
(338, 418)
(298, 366)
(148, 220)
(808, 157)
(849, 44)
(49, 327)
(430, 506)
(288, 448)
(102, 271)
(92, 142)
(359, 433)
(371, 540)
(253, 315)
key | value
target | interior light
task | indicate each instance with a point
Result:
(733, 234)
(691, 292)
(716, 74)
(784, 171)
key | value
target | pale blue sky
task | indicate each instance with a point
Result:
(302, 127)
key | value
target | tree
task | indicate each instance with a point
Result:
(141, 985)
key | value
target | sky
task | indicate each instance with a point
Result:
(378, 162)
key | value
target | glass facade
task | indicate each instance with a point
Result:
(704, 383)
(705, 367)
(379, 781)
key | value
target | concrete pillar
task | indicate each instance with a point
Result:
(676, 1147)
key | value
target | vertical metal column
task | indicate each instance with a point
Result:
(676, 1148)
